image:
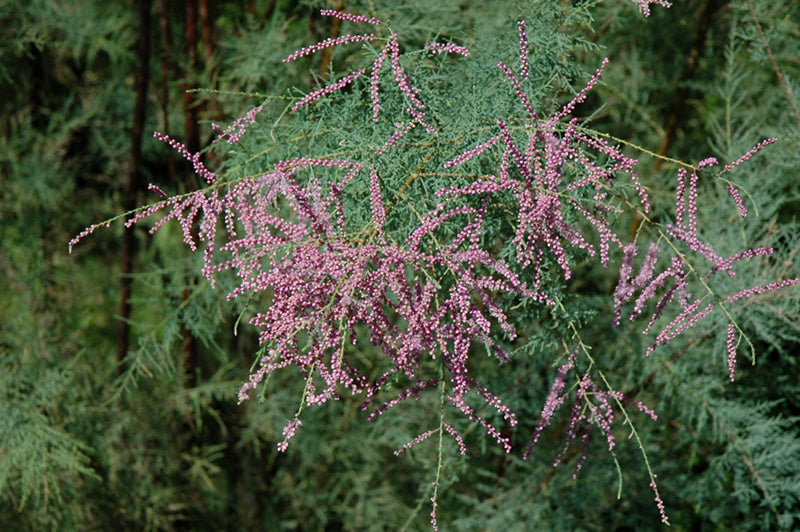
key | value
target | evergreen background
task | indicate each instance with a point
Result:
(136, 426)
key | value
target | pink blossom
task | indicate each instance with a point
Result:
(441, 48)
(288, 432)
(644, 5)
(235, 131)
(328, 89)
(731, 345)
(352, 17)
(327, 43)
(524, 68)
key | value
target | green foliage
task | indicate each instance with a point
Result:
(160, 444)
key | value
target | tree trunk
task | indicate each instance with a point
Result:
(133, 176)
(168, 64)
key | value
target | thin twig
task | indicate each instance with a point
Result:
(774, 63)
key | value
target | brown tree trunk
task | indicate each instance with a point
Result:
(192, 139)
(270, 9)
(168, 64)
(207, 27)
(133, 175)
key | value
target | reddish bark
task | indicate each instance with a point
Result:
(168, 64)
(133, 174)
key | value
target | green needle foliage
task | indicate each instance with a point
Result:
(527, 265)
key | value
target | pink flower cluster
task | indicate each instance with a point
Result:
(526, 103)
(400, 130)
(443, 48)
(194, 158)
(187, 209)
(288, 432)
(644, 5)
(323, 286)
(552, 404)
(542, 192)
(730, 342)
(648, 284)
(235, 131)
(474, 152)
(524, 67)
(402, 80)
(737, 198)
(328, 89)
(592, 405)
(156, 189)
(327, 43)
(422, 305)
(462, 448)
(352, 17)
(659, 502)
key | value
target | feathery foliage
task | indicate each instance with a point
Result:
(486, 249)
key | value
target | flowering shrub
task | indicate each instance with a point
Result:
(434, 238)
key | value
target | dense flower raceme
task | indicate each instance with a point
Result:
(537, 173)
(681, 271)
(540, 185)
(391, 51)
(555, 178)
(585, 412)
(417, 305)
